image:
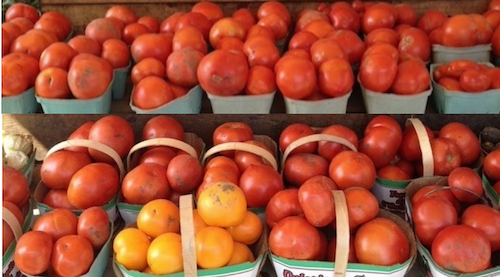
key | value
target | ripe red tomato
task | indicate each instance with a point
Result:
(381, 15)
(163, 126)
(283, 204)
(184, 173)
(416, 42)
(276, 24)
(326, 49)
(412, 78)
(58, 54)
(81, 133)
(116, 53)
(393, 173)
(123, 13)
(182, 65)
(436, 191)
(145, 183)
(232, 132)
(382, 139)
(83, 44)
(57, 223)
(351, 169)
(72, 256)
(210, 10)
(294, 238)
(294, 132)
(244, 159)
(345, 18)
(150, 22)
(93, 225)
(410, 147)
(57, 198)
(446, 156)
(160, 155)
(491, 166)
(351, 43)
(459, 31)
(473, 80)
(335, 77)
(197, 20)
(494, 74)
(261, 80)
(296, 77)
(407, 15)
(225, 28)
(133, 31)
(274, 7)
(431, 20)
(189, 37)
(496, 187)
(329, 150)
(466, 184)
(115, 132)
(14, 186)
(33, 252)
(58, 169)
(467, 142)
(406, 166)
(316, 201)
(484, 29)
(462, 249)
(485, 219)
(302, 166)
(430, 216)
(89, 76)
(93, 185)
(380, 35)
(245, 17)
(377, 72)
(231, 44)
(495, 42)
(145, 47)
(307, 16)
(382, 48)
(259, 183)
(14, 79)
(52, 83)
(170, 23)
(362, 206)
(22, 10)
(16, 211)
(381, 242)
(102, 29)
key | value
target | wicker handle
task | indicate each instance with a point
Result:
(90, 144)
(425, 146)
(13, 223)
(162, 142)
(187, 236)
(242, 146)
(343, 233)
(314, 138)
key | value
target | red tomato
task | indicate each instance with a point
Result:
(431, 20)
(436, 191)
(58, 169)
(89, 76)
(274, 7)
(283, 204)
(446, 156)
(484, 30)
(260, 183)
(182, 65)
(381, 15)
(485, 219)
(22, 10)
(145, 183)
(245, 17)
(261, 80)
(84, 44)
(377, 72)
(406, 166)
(81, 133)
(307, 16)
(466, 184)
(261, 51)
(382, 48)
(351, 169)
(102, 29)
(115, 132)
(393, 173)
(495, 42)
(58, 54)
(197, 20)
(232, 132)
(450, 84)
(382, 139)
(163, 126)
(52, 83)
(123, 13)
(226, 28)
(351, 43)
(57, 198)
(294, 238)
(326, 49)
(210, 10)
(329, 150)
(296, 77)
(145, 46)
(72, 256)
(160, 155)
(16, 211)
(416, 42)
(56, 23)
(294, 132)
(335, 77)
(467, 142)
(170, 23)
(407, 15)
(93, 185)
(496, 187)
(57, 223)
(302, 166)
(14, 79)
(379, 35)
(244, 159)
(410, 147)
(150, 22)
(93, 225)
(493, 18)
(494, 5)
(15, 187)
(431, 215)
(33, 252)
(189, 37)
(473, 80)
(491, 166)
(462, 249)
(345, 18)
(116, 53)
(362, 206)
(260, 31)
(316, 200)
(494, 75)
(184, 173)
(459, 31)
(231, 44)
(381, 242)
(412, 78)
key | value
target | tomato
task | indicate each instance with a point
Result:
(465, 139)
(150, 22)
(350, 42)
(351, 169)
(6, 42)
(294, 238)
(245, 17)
(52, 83)
(15, 187)
(244, 159)
(382, 48)
(459, 31)
(163, 126)
(381, 15)
(379, 35)
(222, 162)
(296, 78)
(335, 77)
(93, 185)
(22, 10)
(58, 55)
(14, 79)
(412, 78)
(170, 23)
(33, 252)
(214, 247)
(89, 77)
(401, 28)
(393, 173)
(81, 133)
(116, 53)
(329, 150)
(226, 173)
(462, 249)
(450, 84)
(416, 42)
(158, 217)
(164, 254)
(484, 30)
(295, 53)
(145, 183)
(307, 16)
(383, 136)
(72, 256)
(232, 132)
(446, 156)
(115, 132)
(58, 24)
(473, 80)
(332, 248)
(247, 232)
(182, 65)
(223, 73)
(160, 155)
(466, 184)
(362, 206)
(485, 219)
(231, 44)
(7, 236)
(494, 75)
(189, 37)
(147, 67)
(316, 201)
(283, 204)
(431, 20)
(407, 15)
(123, 13)
(83, 44)
(29, 64)
(436, 191)
(294, 132)
(57, 198)
(31, 43)
(274, 7)
(145, 47)
(196, 20)
(259, 183)
(326, 49)
(345, 18)
(184, 173)
(152, 92)
(16, 211)
(261, 51)
(493, 18)
(102, 29)
(223, 204)
(224, 28)
(406, 166)
(377, 72)
(381, 242)
(58, 169)
(302, 166)
(496, 187)
(241, 254)
(131, 247)
(410, 146)
(93, 225)
(261, 80)
(491, 166)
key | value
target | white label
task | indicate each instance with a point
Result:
(391, 199)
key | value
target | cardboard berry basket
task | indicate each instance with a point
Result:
(444, 54)
(247, 269)
(20, 104)
(288, 268)
(431, 266)
(452, 102)
(337, 105)
(41, 190)
(120, 82)
(192, 144)
(241, 104)
(187, 104)
(9, 268)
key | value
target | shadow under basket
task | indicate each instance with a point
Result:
(187, 104)
(380, 103)
(241, 104)
(337, 105)
(20, 104)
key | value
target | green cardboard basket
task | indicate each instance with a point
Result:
(20, 104)
(120, 82)
(187, 104)
(380, 103)
(478, 53)
(241, 104)
(337, 105)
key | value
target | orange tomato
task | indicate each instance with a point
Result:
(241, 254)
(276, 24)
(85, 44)
(152, 92)
(247, 232)
(214, 247)
(131, 248)
(222, 204)
(198, 222)
(189, 37)
(261, 80)
(165, 254)
(150, 22)
(133, 31)
(319, 28)
(158, 217)
(224, 28)
(210, 10)
(145, 68)
(102, 29)
(123, 13)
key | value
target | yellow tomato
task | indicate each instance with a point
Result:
(214, 247)
(131, 247)
(241, 254)
(247, 232)
(159, 217)
(223, 204)
(165, 254)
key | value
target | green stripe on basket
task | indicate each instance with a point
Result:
(8, 253)
(129, 207)
(392, 184)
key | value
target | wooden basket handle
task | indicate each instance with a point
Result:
(187, 236)
(178, 144)
(13, 223)
(314, 138)
(90, 144)
(425, 146)
(242, 146)
(343, 240)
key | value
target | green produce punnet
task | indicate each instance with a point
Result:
(41, 190)
(247, 269)
(192, 145)
(491, 195)
(9, 268)
(477, 53)
(20, 104)
(336, 105)
(290, 268)
(241, 104)
(120, 82)
(424, 253)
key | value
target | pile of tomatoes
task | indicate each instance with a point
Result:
(467, 76)
(62, 244)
